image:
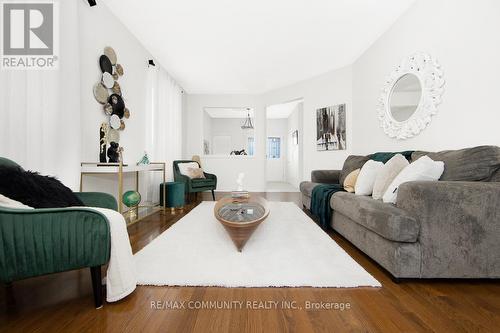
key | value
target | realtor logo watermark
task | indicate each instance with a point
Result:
(30, 35)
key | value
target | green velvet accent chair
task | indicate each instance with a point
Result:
(195, 185)
(36, 242)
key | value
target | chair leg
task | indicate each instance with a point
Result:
(213, 195)
(9, 296)
(97, 285)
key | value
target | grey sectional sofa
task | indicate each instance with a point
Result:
(444, 229)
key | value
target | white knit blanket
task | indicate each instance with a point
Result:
(121, 277)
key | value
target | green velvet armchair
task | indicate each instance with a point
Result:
(195, 185)
(36, 242)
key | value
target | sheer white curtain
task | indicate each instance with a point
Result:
(163, 124)
(40, 110)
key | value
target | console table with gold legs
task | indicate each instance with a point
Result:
(133, 214)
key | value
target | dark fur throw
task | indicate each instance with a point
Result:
(35, 190)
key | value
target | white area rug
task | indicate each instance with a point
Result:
(286, 250)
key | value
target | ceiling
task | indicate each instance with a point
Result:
(282, 111)
(231, 46)
(215, 112)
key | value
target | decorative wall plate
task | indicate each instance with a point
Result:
(101, 93)
(118, 105)
(108, 109)
(116, 88)
(114, 122)
(111, 54)
(107, 80)
(113, 136)
(109, 93)
(119, 69)
(105, 64)
(430, 75)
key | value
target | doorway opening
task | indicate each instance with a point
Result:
(284, 146)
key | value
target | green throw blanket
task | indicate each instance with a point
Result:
(320, 202)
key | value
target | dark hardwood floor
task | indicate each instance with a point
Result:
(63, 302)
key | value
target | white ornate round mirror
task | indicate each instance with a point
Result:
(410, 96)
(405, 97)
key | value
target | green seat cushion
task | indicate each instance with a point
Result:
(197, 183)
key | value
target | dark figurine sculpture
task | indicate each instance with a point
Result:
(238, 152)
(102, 143)
(113, 154)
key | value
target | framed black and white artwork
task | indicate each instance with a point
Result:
(331, 128)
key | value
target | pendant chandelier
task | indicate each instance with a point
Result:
(247, 125)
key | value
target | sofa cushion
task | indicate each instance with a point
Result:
(386, 220)
(352, 163)
(470, 164)
(307, 187)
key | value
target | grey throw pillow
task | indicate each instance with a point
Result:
(352, 163)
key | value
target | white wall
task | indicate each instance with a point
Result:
(328, 89)
(226, 168)
(463, 37)
(332, 88)
(230, 127)
(207, 131)
(293, 154)
(100, 28)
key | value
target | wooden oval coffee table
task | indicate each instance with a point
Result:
(240, 217)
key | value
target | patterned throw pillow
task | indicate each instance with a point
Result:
(183, 167)
(195, 173)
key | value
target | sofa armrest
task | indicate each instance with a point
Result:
(98, 199)
(41, 241)
(459, 226)
(325, 176)
(211, 176)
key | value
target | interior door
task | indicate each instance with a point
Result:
(274, 162)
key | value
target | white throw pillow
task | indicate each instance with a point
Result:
(366, 177)
(387, 174)
(9, 203)
(184, 167)
(423, 169)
